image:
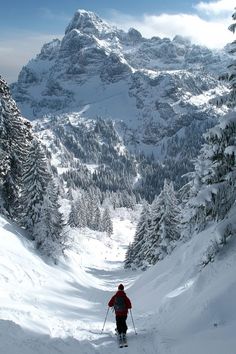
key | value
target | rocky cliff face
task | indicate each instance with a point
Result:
(156, 90)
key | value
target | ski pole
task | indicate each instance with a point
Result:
(105, 320)
(133, 322)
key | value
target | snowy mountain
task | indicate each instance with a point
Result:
(157, 91)
(102, 71)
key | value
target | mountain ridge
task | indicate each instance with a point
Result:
(156, 91)
(93, 49)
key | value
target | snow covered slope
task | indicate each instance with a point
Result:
(65, 301)
(179, 307)
(191, 308)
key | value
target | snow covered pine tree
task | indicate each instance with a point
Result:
(157, 230)
(134, 255)
(214, 184)
(35, 179)
(15, 139)
(107, 222)
(48, 230)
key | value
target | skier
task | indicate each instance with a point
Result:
(121, 304)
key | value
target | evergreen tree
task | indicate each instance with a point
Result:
(85, 212)
(150, 249)
(34, 183)
(106, 223)
(157, 231)
(48, 230)
(92, 209)
(164, 228)
(82, 212)
(97, 219)
(129, 257)
(171, 213)
(4, 164)
(4, 168)
(214, 189)
(156, 210)
(69, 194)
(135, 249)
(15, 137)
(213, 185)
(73, 220)
(89, 209)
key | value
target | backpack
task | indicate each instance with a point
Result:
(120, 304)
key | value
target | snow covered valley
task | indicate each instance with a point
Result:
(121, 119)
(179, 306)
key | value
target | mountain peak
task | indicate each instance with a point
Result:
(88, 22)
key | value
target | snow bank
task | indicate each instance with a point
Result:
(192, 308)
(15, 340)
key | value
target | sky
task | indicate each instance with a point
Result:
(27, 24)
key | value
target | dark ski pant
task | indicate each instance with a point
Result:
(121, 324)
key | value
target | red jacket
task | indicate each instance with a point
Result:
(128, 304)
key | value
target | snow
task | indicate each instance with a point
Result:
(204, 99)
(179, 306)
(230, 150)
(92, 167)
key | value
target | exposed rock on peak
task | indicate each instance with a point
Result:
(134, 35)
(88, 22)
(182, 40)
(49, 50)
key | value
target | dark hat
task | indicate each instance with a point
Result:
(121, 287)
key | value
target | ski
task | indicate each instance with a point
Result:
(125, 343)
(122, 341)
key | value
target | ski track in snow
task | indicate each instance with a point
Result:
(61, 309)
